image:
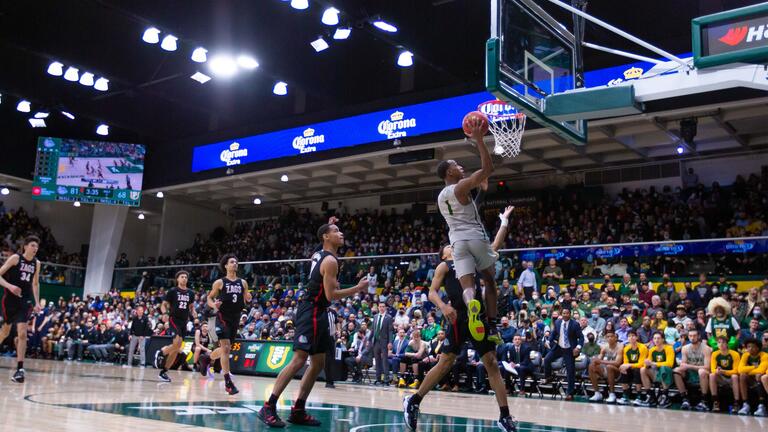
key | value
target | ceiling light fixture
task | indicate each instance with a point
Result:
(284, 178)
(200, 55)
(257, 201)
(141, 216)
(680, 149)
(342, 33)
(331, 16)
(300, 4)
(280, 89)
(102, 84)
(405, 59)
(169, 43)
(223, 66)
(319, 44)
(5, 191)
(24, 106)
(160, 194)
(384, 26)
(41, 115)
(37, 123)
(151, 35)
(102, 130)
(68, 115)
(56, 69)
(71, 74)
(86, 79)
(76, 203)
(201, 77)
(247, 62)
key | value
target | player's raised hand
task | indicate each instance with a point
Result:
(363, 284)
(477, 128)
(332, 220)
(508, 211)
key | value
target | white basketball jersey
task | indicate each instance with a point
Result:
(463, 220)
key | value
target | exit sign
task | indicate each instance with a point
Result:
(735, 36)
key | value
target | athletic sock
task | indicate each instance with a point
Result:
(227, 378)
(708, 398)
(164, 369)
(416, 399)
(299, 404)
(272, 400)
(504, 411)
(20, 365)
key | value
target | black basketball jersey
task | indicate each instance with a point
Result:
(315, 294)
(179, 299)
(22, 275)
(454, 290)
(232, 297)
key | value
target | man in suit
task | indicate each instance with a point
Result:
(396, 354)
(382, 336)
(565, 341)
(516, 361)
(360, 356)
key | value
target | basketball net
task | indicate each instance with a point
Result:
(507, 126)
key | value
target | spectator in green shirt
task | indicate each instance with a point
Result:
(552, 275)
(430, 330)
(626, 285)
(591, 347)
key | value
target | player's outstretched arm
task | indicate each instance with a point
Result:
(10, 262)
(434, 293)
(213, 293)
(246, 293)
(498, 242)
(486, 164)
(329, 269)
(36, 285)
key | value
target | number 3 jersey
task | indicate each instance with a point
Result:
(232, 297)
(179, 300)
(20, 275)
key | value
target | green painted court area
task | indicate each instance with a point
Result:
(241, 416)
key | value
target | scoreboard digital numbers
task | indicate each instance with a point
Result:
(96, 172)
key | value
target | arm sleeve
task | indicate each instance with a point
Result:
(763, 366)
(643, 355)
(624, 354)
(735, 370)
(713, 362)
(744, 368)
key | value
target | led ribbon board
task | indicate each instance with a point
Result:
(735, 36)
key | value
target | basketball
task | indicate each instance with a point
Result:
(474, 114)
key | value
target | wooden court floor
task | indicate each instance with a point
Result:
(59, 396)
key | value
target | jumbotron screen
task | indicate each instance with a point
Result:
(97, 172)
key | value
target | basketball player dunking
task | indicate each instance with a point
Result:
(313, 337)
(456, 314)
(227, 298)
(178, 305)
(470, 243)
(20, 277)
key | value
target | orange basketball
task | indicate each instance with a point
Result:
(474, 114)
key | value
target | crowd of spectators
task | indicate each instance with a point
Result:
(629, 306)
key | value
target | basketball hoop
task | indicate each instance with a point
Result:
(506, 124)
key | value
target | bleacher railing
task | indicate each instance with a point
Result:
(680, 258)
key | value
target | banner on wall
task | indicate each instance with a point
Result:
(656, 249)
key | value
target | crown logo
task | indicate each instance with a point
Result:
(309, 132)
(397, 115)
(234, 146)
(632, 73)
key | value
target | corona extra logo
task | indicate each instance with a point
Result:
(307, 141)
(233, 154)
(633, 73)
(397, 126)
